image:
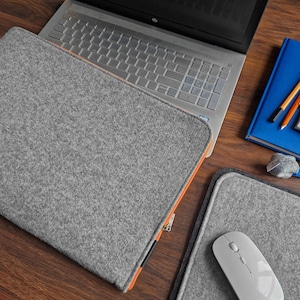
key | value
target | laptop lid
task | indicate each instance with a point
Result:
(226, 23)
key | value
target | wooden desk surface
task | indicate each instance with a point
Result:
(30, 269)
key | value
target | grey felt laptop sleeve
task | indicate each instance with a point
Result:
(88, 163)
(269, 215)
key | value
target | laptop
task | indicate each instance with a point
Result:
(189, 53)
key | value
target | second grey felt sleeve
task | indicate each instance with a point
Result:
(270, 216)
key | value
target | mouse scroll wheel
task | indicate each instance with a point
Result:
(233, 247)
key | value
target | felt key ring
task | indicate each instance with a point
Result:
(283, 166)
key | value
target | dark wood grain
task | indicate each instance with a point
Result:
(30, 269)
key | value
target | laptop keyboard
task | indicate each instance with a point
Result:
(145, 64)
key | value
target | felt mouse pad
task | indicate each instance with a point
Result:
(267, 214)
(88, 163)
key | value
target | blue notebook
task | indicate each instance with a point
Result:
(283, 79)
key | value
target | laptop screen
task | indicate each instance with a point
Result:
(227, 23)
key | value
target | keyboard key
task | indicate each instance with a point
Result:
(181, 69)
(106, 35)
(186, 87)
(59, 28)
(132, 69)
(174, 75)
(152, 85)
(142, 46)
(88, 29)
(115, 37)
(96, 40)
(78, 34)
(202, 102)
(141, 73)
(133, 43)
(187, 97)
(131, 60)
(113, 63)
(117, 72)
(170, 57)
(66, 46)
(152, 60)
(84, 45)
(84, 53)
(199, 83)
(223, 74)
(205, 94)
(75, 49)
(133, 53)
(208, 86)
(169, 82)
(124, 40)
(66, 38)
(142, 82)
(124, 50)
(87, 38)
(97, 31)
(214, 100)
(202, 76)
(132, 78)
(150, 67)
(70, 23)
(151, 49)
(141, 64)
(103, 51)
(172, 92)
(219, 86)
(75, 42)
(122, 66)
(171, 66)
(225, 69)
(190, 58)
(103, 60)
(162, 89)
(204, 68)
(151, 76)
(211, 79)
(196, 91)
(69, 31)
(105, 44)
(93, 48)
(162, 63)
(56, 35)
(196, 64)
(182, 61)
(115, 47)
(112, 54)
(189, 80)
(142, 56)
(62, 21)
(94, 57)
(160, 70)
(214, 71)
(160, 53)
(77, 26)
(192, 73)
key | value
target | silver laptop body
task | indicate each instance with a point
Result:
(198, 77)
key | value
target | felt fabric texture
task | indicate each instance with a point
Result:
(88, 163)
(269, 215)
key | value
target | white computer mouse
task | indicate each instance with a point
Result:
(246, 268)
